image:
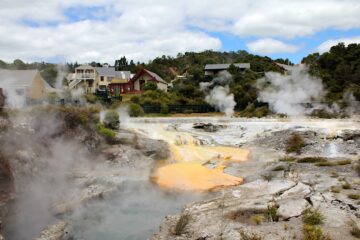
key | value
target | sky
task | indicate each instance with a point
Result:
(104, 30)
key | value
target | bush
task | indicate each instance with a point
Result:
(90, 98)
(164, 109)
(313, 217)
(357, 168)
(271, 212)
(105, 132)
(354, 196)
(135, 99)
(295, 143)
(355, 231)
(287, 159)
(150, 86)
(257, 219)
(346, 185)
(111, 119)
(311, 160)
(135, 110)
(278, 168)
(181, 224)
(314, 233)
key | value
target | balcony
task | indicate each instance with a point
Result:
(85, 76)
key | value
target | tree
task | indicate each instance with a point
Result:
(50, 74)
(19, 65)
(121, 64)
(150, 86)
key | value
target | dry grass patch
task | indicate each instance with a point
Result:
(294, 144)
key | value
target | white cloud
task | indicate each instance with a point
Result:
(143, 29)
(270, 46)
(325, 46)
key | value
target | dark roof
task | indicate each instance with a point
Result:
(106, 71)
(123, 74)
(225, 66)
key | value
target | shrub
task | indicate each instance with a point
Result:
(325, 164)
(355, 231)
(343, 162)
(90, 98)
(346, 185)
(257, 219)
(150, 86)
(135, 99)
(294, 144)
(311, 160)
(314, 233)
(335, 189)
(135, 110)
(164, 109)
(313, 217)
(354, 196)
(287, 159)
(181, 224)
(111, 119)
(357, 168)
(106, 132)
(271, 213)
(249, 236)
(268, 176)
(278, 168)
(261, 112)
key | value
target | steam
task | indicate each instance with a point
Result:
(15, 98)
(218, 93)
(289, 93)
(62, 71)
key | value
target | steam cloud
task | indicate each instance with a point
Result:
(288, 93)
(218, 93)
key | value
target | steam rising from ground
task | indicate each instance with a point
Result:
(288, 93)
(218, 93)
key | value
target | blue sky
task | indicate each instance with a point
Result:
(103, 30)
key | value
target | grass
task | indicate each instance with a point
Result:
(249, 236)
(311, 160)
(313, 217)
(355, 231)
(257, 219)
(181, 224)
(271, 213)
(287, 159)
(294, 144)
(268, 176)
(314, 233)
(354, 196)
(346, 185)
(278, 168)
(326, 163)
(357, 168)
(335, 189)
(106, 132)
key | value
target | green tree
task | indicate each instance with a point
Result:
(150, 86)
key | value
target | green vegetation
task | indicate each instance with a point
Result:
(357, 168)
(278, 168)
(287, 159)
(271, 213)
(313, 217)
(150, 86)
(111, 119)
(355, 231)
(294, 144)
(164, 109)
(249, 236)
(181, 224)
(257, 219)
(334, 189)
(135, 110)
(105, 132)
(311, 160)
(346, 185)
(314, 233)
(354, 196)
(268, 176)
(326, 163)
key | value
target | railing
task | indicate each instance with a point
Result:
(74, 83)
(85, 75)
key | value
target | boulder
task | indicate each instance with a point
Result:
(292, 208)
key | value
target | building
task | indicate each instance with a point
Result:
(137, 83)
(213, 69)
(24, 83)
(93, 79)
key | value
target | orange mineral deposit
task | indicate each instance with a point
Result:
(193, 177)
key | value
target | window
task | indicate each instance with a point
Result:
(109, 79)
(101, 78)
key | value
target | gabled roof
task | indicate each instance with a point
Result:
(225, 66)
(151, 74)
(17, 78)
